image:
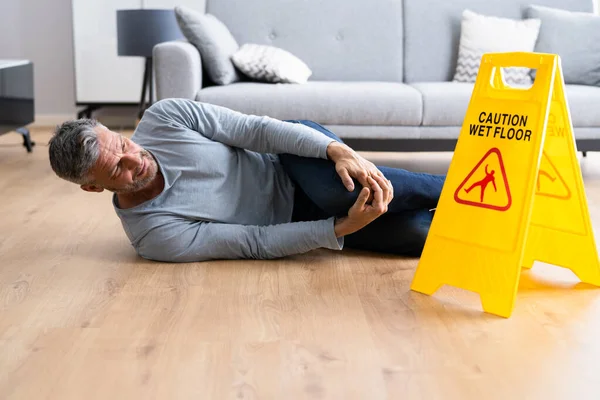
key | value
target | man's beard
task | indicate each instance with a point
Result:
(140, 183)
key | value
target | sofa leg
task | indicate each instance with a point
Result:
(584, 153)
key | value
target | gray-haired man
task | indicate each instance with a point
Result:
(199, 182)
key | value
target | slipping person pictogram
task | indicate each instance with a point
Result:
(489, 178)
(546, 174)
(492, 166)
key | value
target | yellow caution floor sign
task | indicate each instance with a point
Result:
(514, 192)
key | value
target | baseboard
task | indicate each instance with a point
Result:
(115, 120)
(50, 120)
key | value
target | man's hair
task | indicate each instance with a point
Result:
(74, 150)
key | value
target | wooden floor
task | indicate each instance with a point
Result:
(82, 317)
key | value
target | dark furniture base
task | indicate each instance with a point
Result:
(17, 106)
(27, 142)
(435, 145)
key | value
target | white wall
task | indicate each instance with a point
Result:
(41, 32)
(10, 12)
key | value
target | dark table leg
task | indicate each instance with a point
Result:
(147, 74)
(87, 112)
(27, 142)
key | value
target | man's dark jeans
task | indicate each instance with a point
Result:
(320, 194)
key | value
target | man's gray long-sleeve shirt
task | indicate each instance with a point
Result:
(226, 196)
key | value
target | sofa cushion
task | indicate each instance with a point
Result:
(213, 41)
(584, 103)
(445, 103)
(357, 41)
(346, 103)
(432, 31)
(488, 34)
(575, 37)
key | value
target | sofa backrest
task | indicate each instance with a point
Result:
(337, 39)
(432, 31)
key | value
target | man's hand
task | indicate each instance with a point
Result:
(349, 164)
(361, 214)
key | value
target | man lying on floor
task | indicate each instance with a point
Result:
(199, 182)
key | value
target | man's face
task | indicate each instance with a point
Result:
(122, 166)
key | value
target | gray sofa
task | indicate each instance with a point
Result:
(382, 69)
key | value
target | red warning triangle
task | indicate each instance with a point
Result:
(549, 181)
(486, 185)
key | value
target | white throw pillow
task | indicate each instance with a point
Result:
(487, 34)
(270, 64)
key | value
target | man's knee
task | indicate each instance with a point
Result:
(336, 199)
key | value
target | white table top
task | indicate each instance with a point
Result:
(12, 63)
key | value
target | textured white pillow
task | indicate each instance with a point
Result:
(487, 34)
(270, 64)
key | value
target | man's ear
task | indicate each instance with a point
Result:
(92, 188)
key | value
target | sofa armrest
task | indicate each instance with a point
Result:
(178, 70)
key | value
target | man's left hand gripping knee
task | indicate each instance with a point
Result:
(349, 164)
